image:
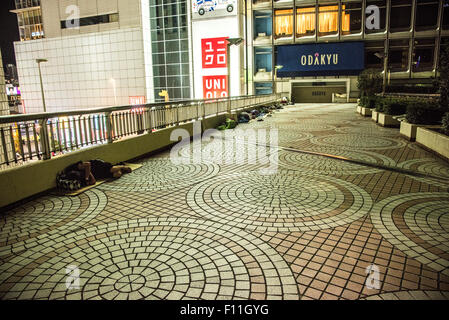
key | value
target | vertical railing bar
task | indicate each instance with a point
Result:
(19, 134)
(89, 121)
(30, 153)
(36, 143)
(128, 124)
(64, 136)
(58, 135)
(86, 136)
(13, 146)
(75, 134)
(100, 127)
(5, 149)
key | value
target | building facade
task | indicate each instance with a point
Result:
(100, 53)
(6, 152)
(399, 37)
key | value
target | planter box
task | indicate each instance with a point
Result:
(375, 116)
(385, 120)
(437, 142)
(359, 110)
(408, 130)
(366, 112)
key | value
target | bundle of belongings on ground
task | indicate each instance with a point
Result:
(82, 174)
(244, 117)
(229, 124)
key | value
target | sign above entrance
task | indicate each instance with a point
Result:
(324, 59)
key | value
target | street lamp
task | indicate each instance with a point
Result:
(38, 61)
(276, 68)
(231, 42)
(383, 55)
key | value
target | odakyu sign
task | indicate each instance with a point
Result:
(344, 58)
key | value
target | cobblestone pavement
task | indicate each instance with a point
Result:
(211, 230)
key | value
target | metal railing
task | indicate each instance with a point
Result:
(41, 136)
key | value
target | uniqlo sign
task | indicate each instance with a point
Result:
(215, 86)
(214, 52)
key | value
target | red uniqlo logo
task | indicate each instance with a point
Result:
(215, 87)
(214, 52)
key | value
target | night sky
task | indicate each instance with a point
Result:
(9, 31)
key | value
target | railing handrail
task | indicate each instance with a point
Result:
(48, 115)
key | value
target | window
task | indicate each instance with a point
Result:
(94, 20)
(427, 15)
(374, 51)
(398, 55)
(262, 23)
(423, 54)
(305, 21)
(446, 14)
(283, 23)
(351, 17)
(328, 20)
(400, 16)
(382, 5)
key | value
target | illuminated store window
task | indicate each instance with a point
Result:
(351, 17)
(398, 55)
(373, 54)
(401, 15)
(423, 54)
(328, 20)
(427, 15)
(305, 21)
(382, 5)
(446, 14)
(283, 23)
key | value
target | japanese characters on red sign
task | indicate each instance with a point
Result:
(134, 101)
(214, 52)
(215, 87)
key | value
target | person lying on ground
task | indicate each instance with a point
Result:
(88, 172)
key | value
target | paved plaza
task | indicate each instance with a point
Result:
(309, 230)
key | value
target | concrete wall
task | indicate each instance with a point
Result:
(83, 71)
(22, 182)
(55, 11)
(434, 141)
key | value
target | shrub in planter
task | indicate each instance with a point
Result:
(369, 82)
(445, 122)
(379, 104)
(368, 101)
(395, 106)
(424, 112)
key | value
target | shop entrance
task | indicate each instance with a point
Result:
(315, 94)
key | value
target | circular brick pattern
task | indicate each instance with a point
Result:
(322, 164)
(427, 165)
(48, 216)
(366, 129)
(410, 295)
(170, 258)
(283, 202)
(162, 174)
(358, 141)
(418, 224)
(304, 125)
